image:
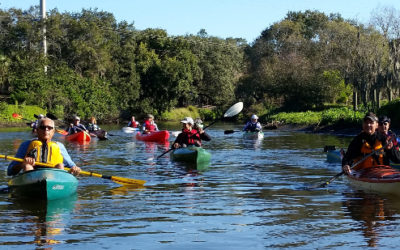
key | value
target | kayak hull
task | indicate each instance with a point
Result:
(192, 155)
(156, 136)
(79, 137)
(383, 179)
(129, 130)
(44, 183)
(334, 156)
(253, 135)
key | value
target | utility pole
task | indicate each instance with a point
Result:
(43, 14)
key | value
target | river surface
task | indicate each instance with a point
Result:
(253, 195)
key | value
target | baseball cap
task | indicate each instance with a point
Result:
(370, 116)
(188, 120)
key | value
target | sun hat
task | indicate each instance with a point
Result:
(150, 116)
(188, 120)
(76, 118)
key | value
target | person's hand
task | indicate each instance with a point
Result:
(75, 170)
(176, 145)
(71, 125)
(29, 161)
(346, 169)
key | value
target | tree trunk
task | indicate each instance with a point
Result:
(355, 100)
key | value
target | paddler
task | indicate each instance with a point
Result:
(188, 136)
(149, 125)
(133, 123)
(35, 123)
(198, 125)
(76, 126)
(42, 149)
(253, 125)
(384, 128)
(95, 130)
(366, 142)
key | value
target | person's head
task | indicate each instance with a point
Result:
(187, 123)
(40, 116)
(370, 123)
(45, 129)
(77, 120)
(384, 124)
(254, 118)
(198, 123)
(133, 118)
(150, 117)
(93, 120)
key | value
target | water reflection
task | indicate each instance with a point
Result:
(373, 211)
(42, 220)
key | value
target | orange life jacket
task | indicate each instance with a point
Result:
(373, 160)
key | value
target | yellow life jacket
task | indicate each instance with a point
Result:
(373, 160)
(46, 153)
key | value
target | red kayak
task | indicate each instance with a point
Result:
(156, 136)
(379, 178)
(79, 137)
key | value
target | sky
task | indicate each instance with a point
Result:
(221, 18)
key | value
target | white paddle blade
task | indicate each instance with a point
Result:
(234, 110)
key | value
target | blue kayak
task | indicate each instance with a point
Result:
(44, 183)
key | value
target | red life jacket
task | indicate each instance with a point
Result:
(191, 137)
(149, 126)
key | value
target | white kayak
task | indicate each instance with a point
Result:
(130, 130)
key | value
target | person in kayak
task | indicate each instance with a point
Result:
(384, 128)
(95, 130)
(368, 141)
(35, 123)
(253, 125)
(42, 149)
(149, 125)
(76, 126)
(133, 123)
(188, 136)
(198, 125)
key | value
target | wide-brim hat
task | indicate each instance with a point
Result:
(188, 120)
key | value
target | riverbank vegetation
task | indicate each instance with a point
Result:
(96, 66)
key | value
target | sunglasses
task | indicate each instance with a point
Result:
(46, 127)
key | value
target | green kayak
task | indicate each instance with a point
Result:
(193, 155)
(44, 183)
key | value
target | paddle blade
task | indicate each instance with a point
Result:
(229, 132)
(61, 131)
(126, 181)
(16, 116)
(234, 110)
(51, 116)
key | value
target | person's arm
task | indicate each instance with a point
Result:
(155, 127)
(245, 126)
(204, 136)
(14, 167)
(67, 161)
(258, 126)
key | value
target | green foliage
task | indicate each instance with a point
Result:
(208, 114)
(391, 110)
(299, 118)
(26, 111)
(178, 114)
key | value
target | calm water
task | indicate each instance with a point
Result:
(252, 196)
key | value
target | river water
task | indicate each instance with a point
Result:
(253, 195)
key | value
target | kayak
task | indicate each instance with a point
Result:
(156, 136)
(130, 130)
(334, 156)
(253, 135)
(100, 134)
(191, 154)
(383, 179)
(79, 137)
(44, 183)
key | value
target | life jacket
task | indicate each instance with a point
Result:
(373, 160)
(45, 152)
(149, 126)
(191, 137)
(133, 124)
(251, 126)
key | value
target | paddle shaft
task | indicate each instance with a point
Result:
(119, 180)
(352, 166)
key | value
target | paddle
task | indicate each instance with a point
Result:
(116, 179)
(232, 111)
(229, 131)
(326, 183)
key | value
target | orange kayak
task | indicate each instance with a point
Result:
(379, 178)
(156, 136)
(79, 137)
